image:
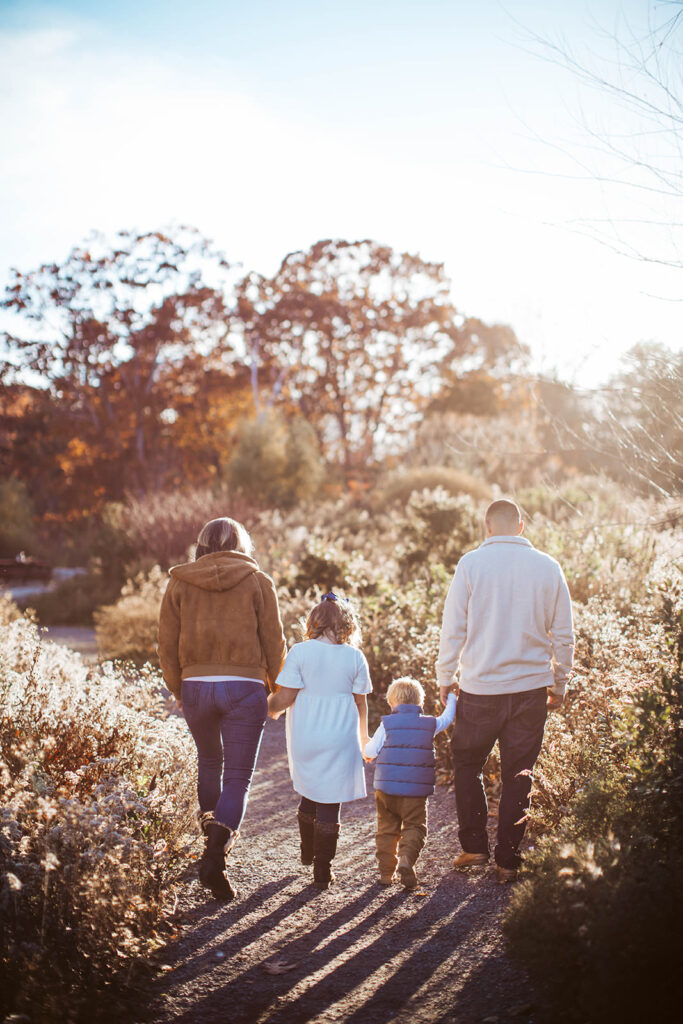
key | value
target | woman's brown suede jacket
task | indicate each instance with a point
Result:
(220, 617)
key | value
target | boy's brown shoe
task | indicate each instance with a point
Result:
(470, 860)
(406, 873)
(505, 875)
(387, 879)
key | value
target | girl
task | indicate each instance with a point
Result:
(324, 683)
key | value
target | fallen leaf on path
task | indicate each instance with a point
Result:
(279, 965)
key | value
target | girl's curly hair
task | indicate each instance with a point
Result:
(335, 617)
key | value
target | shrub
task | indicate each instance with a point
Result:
(17, 529)
(74, 600)
(8, 610)
(95, 827)
(128, 629)
(277, 462)
(398, 487)
(161, 526)
(493, 450)
(595, 498)
(608, 561)
(436, 528)
(597, 919)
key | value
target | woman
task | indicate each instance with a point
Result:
(220, 641)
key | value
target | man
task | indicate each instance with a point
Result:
(507, 627)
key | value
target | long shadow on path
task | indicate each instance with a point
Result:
(359, 953)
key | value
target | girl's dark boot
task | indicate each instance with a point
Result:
(307, 832)
(324, 849)
(219, 842)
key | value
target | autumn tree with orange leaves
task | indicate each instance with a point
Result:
(355, 336)
(106, 386)
(135, 364)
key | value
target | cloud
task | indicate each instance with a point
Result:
(96, 135)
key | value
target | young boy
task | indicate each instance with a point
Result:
(404, 777)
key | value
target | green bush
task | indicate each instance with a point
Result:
(128, 629)
(436, 528)
(277, 462)
(597, 918)
(17, 526)
(401, 629)
(74, 600)
(398, 487)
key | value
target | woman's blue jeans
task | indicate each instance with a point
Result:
(226, 720)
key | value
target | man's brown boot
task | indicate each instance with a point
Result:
(470, 860)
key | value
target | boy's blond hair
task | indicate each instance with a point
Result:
(405, 690)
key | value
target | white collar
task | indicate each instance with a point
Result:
(507, 539)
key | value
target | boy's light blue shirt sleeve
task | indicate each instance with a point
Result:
(447, 715)
(375, 744)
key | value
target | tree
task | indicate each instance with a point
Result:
(642, 428)
(638, 154)
(123, 336)
(352, 335)
(277, 461)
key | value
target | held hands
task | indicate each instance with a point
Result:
(555, 700)
(445, 690)
(364, 740)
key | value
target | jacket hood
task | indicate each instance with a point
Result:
(221, 570)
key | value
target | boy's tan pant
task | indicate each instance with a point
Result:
(402, 823)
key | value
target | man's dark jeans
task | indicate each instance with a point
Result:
(226, 721)
(517, 721)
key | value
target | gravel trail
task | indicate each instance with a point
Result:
(286, 953)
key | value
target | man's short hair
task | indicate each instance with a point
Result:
(405, 691)
(503, 512)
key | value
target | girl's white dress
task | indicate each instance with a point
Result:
(323, 726)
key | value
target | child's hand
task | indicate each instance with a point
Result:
(368, 760)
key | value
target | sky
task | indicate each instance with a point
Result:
(434, 126)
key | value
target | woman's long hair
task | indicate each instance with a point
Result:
(223, 534)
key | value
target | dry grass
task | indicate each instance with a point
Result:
(97, 822)
(100, 791)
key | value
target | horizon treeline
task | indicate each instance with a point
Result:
(148, 362)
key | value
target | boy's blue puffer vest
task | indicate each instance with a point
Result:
(405, 764)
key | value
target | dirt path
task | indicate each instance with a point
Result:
(286, 953)
(81, 639)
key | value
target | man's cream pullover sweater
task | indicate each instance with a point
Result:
(507, 621)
